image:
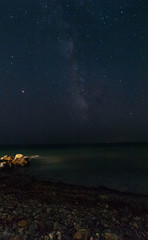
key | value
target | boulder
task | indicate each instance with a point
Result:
(3, 158)
(19, 161)
(2, 164)
(7, 158)
(18, 156)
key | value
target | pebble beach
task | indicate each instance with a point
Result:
(44, 210)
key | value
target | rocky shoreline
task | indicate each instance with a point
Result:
(17, 160)
(39, 210)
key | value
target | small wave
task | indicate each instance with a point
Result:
(34, 156)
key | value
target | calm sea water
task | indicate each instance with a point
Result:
(122, 167)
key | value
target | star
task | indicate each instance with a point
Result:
(82, 57)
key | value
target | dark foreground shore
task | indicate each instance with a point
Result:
(35, 210)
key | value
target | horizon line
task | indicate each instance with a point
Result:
(91, 143)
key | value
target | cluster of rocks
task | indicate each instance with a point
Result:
(17, 160)
(56, 211)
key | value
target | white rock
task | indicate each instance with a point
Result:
(2, 164)
(59, 235)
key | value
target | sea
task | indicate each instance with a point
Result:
(122, 167)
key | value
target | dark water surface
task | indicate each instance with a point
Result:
(123, 167)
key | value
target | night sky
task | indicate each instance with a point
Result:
(73, 71)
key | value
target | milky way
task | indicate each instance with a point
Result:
(73, 71)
